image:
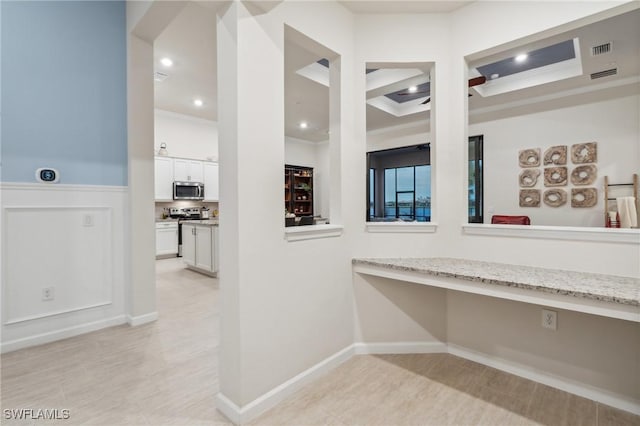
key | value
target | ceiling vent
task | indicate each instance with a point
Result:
(159, 76)
(601, 49)
(605, 73)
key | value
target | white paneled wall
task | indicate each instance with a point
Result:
(65, 249)
(69, 239)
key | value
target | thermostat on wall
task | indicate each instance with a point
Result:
(47, 175)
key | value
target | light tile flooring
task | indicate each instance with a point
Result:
(165, 373)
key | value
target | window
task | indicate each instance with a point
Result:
(475, 180)
(407, 193)
(372, 186)
(400, 184)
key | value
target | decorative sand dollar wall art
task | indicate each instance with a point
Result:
(584, 197)
(584, 153)
(555, 176)
(555, 197)
(529, 198)
(529, 177)
(529, 157)
(555, 155)
(584, 175)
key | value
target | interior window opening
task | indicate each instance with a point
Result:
(400, 184)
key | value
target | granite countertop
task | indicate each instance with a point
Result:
(203, 222)
(608, 288)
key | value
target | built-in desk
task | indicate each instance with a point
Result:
(606, 295)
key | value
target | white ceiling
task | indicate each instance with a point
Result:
(190, 40)
(623, 31)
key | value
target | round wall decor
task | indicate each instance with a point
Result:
(529, 157)
(555, 197)
(529, 198)
(584, 153)
(555, 176)
(529, 178)
(584, 197)
(555, 155)
(584, 175)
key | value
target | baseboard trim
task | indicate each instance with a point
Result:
(241, 415)
(65, 333)
(399, 348)
(142, 319)
(576, 388)
(246, 413)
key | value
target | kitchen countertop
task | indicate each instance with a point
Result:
(204, 222)
(607, 288)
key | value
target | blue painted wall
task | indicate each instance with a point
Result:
(64, 95)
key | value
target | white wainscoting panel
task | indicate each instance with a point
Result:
(66, 249)
(69, 238)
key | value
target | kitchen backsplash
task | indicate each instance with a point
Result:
(183, 205)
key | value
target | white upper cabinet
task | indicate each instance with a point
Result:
(170, 169)
(164, 178)
(211, 182)
(187, 170)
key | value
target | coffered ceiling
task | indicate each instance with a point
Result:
(569, 68)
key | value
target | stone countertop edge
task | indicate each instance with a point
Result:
(622, 285)
(202, 222)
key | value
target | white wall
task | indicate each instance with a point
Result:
(298, 152)
(277, 319)
(46, 243)
(613, 124)
(186, 136)
(420, 38)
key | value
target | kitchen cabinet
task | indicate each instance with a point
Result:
(211, 181)
(163, 174)
(166, 238)
(200, 248)
(204, 250)
(185, 170)
(189, 244)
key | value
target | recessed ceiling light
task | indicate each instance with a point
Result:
(303, 125)
(413, 89)
(521, 57)
(166, 62)
(198, 102)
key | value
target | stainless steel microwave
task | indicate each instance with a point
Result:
(188, 191)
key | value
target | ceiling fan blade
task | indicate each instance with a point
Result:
(426, 102)
(477, 81)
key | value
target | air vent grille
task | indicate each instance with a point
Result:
(159, 76)
(605, 73)
(601, 49)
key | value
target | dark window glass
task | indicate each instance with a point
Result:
(475, 180)
(399, 184)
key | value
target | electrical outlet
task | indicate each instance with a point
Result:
(48, 293)
(87, 220)
(549, 319)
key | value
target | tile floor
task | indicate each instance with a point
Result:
(165, 373)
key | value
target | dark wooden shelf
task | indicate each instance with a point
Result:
(296, 176)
